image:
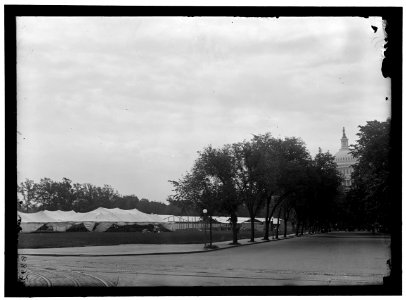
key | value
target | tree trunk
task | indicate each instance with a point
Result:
(286, 222)
(252, 230)
(277, 224)
(205, 231)
(297, 228)
(285, 230)
(235, 236)
(210, 233)
(267, 220)
(266, 229)
(233, 219)
(301, 233)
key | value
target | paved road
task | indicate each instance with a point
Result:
(328, 259)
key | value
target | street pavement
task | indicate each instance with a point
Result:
(336, 258)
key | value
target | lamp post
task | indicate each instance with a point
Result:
(204, 220)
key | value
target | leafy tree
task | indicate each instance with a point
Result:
(47, 194)
(64, 195)
(127, 202)
(248, 171)
(326, 186)
(220, 166)
(210, 185)
(371, 172)
(268, 171)
(89, 201)
(106, 196)
(27, 195)
(267, 168)
(174, 208)
(290, 174)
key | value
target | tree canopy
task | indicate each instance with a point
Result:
(262, 172)
(370, 192)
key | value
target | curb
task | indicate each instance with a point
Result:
(164, 253)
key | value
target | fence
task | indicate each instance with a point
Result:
(196, 225)
(215, 226)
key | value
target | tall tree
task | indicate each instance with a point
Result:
(372, 171)
(248, 171)
(290, 174)
(267, 170)
(220, 166)
(210, 185)
(326, 182)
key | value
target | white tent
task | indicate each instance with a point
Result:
(243, 220)
(38, 217)
(62, 219)
(60, 215)
(106, 217)
(33, 221)
(98, 215)
(145, 218)
(99, 219)
(223, 220)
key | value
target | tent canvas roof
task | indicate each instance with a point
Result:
(60, 215)
(117, 215)
(143, 217)
(38, 217)
(98, 215)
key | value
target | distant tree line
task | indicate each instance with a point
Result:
(273, 175)
(65, 195)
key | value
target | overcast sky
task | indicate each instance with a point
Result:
(129, 101)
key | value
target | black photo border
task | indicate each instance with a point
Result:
(391, 67)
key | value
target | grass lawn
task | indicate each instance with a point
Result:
(78, 239)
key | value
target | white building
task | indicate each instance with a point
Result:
(345, 161)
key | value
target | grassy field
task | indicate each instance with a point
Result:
(79, 239)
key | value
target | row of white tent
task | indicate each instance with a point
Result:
(101, 219)
(219, 219)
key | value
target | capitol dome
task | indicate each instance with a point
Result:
(345, 160)
(343, 155)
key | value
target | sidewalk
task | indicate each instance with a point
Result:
(138, 249)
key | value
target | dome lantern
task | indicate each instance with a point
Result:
(344, 140)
